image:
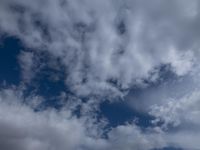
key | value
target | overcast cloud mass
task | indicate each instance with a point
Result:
(99, 75)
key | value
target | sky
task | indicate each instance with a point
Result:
(99, 75)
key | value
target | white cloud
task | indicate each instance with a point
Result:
(179, 110)
(84, 35)
(24, 129)
(129, 137)
(183, 114)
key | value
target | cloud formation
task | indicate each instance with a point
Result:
(182, 114)
(103, 41)
(103, 50)
(22, 128)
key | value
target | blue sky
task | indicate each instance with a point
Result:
(99, 75)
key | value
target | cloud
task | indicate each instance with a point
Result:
(102, 41)
(22, 128)
(105, 48)
(132, 137)
(27, 65)
(25, 129)
(183, 115)
(169, 86)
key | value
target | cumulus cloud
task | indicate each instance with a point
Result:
(183, 115)
(22, 128)
(103, 41)
(104, 48)
(25, 129)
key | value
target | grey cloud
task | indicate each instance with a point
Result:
(24, 129)
(99, 42)
(183, 115)
(27, 65)
(84, 34)
(169, 86)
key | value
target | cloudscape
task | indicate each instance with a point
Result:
(99, 75)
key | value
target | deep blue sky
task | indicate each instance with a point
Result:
(10, 70)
